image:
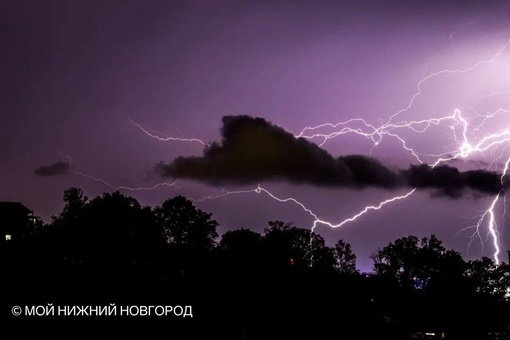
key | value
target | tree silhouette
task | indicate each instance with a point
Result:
(240, 251)
(112, 229)
(74, 203)
(396, 259)
(111, 247)
(298, 247)
(241, 241)
(185, 225)
(117, 228)
(60, 242)
(414, 263)
(345, 258)
(489, 278)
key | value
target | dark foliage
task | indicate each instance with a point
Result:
(284, 283)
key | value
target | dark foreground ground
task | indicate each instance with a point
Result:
(283, 305)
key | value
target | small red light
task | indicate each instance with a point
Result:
(291, 262)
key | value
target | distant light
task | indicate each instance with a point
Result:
(430, 334)
(8, 237)
(291, 262)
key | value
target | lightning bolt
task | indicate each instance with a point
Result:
(166, 138)
(461, 147)
(66, 156)
(375, 134)
(493, 227)
(316, 220)
(122, 187)
(450, 47)
(464, 147)
(111, 186)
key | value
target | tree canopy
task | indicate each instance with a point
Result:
(119, 246)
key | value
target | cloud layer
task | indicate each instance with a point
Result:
(57, 169)
(253, 150)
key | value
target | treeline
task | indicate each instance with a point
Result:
(284, 282)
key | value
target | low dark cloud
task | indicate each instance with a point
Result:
(57, 169)
(253, 150)
(449, 181)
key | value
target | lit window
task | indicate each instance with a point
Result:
(8, 237)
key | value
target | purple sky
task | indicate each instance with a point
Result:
(74, 71)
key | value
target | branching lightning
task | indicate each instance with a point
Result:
(317, 221)
(111, 186)
(468, 138)
(166, 138)
(122, 187)
(493, 227)
(463, 146)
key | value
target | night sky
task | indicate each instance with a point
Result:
(77, 75)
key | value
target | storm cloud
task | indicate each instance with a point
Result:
(449, 181)
(57, 169)
(253, 150)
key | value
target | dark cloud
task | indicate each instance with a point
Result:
(449, 181)
(57, 169)
(253, 150)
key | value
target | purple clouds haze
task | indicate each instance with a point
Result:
(73, 71)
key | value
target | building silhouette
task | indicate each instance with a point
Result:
(16, 220)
